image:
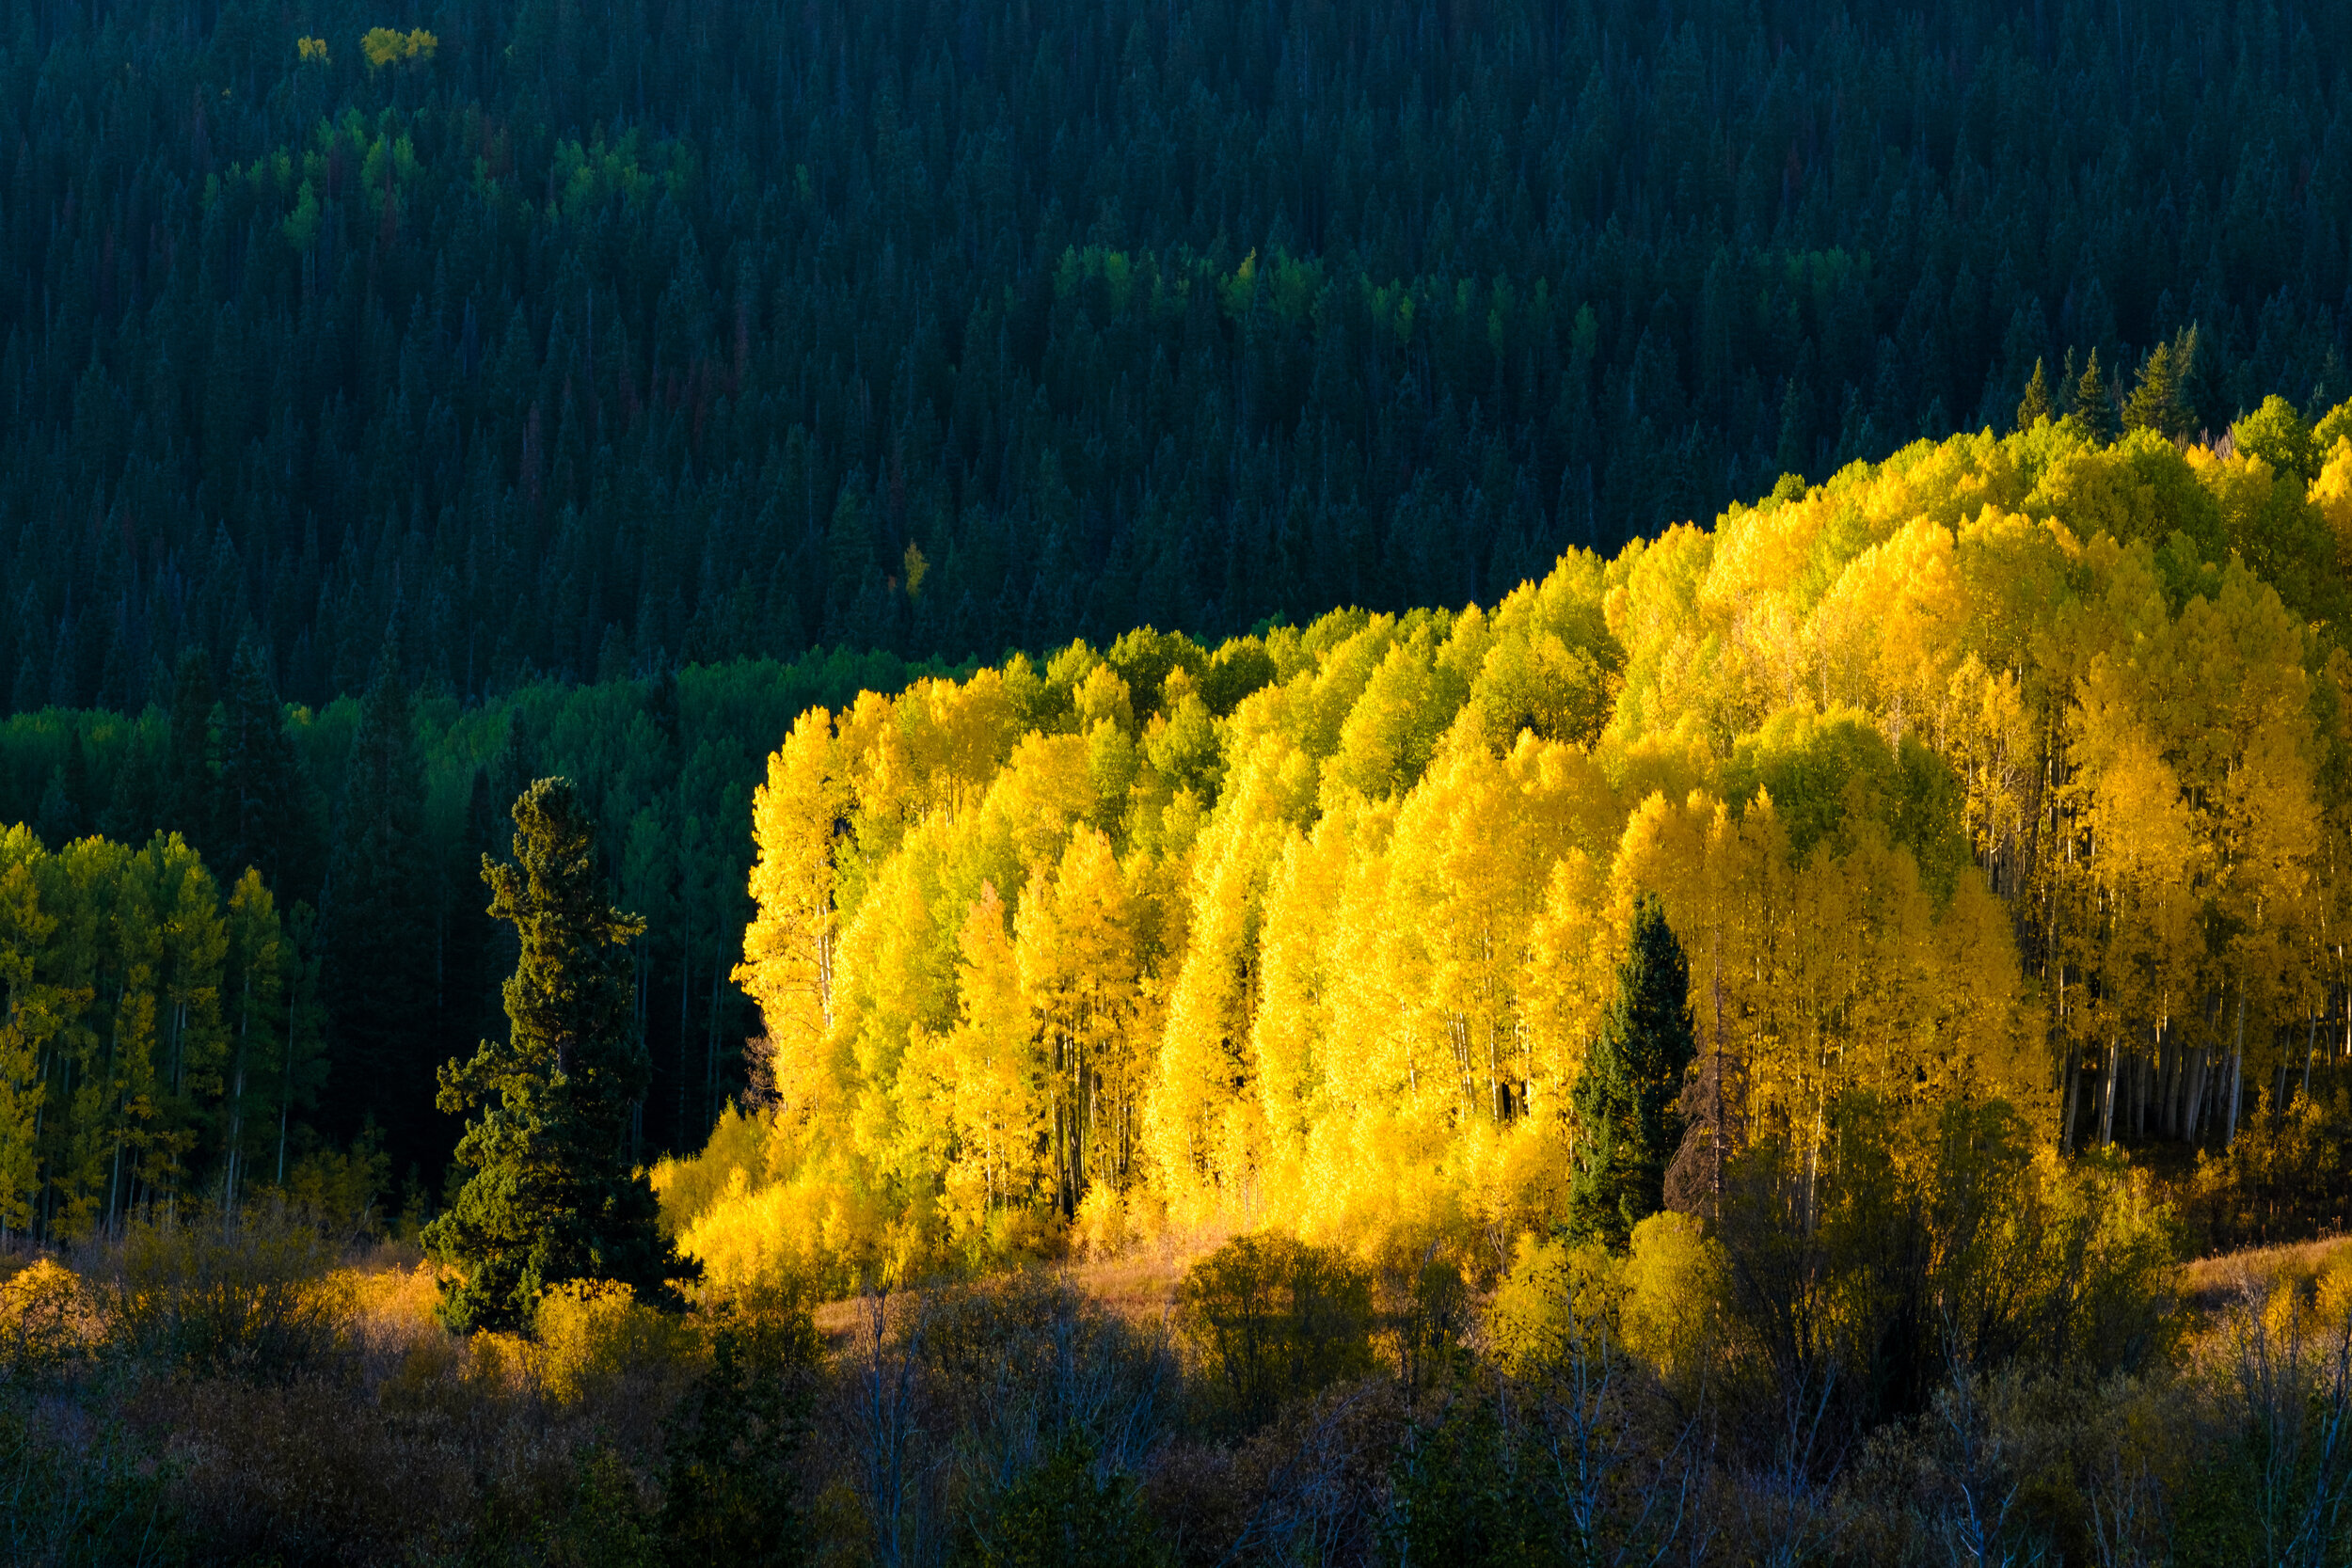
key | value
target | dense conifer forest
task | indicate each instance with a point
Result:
(580, 341)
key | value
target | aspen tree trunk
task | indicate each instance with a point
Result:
(2194, 1106)
(2106, 1098)
(2169, 1087)
(1716, 1137)
(2066, 1116)
(2237, 1067)
(2310, 1049)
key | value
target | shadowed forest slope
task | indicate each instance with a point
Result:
(589, 339)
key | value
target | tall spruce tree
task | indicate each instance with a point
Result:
(188, 790)
(1626, 1122)
(552, 1197)
(2156, 402)
(2034, 405)
(2094, 409)
(378, 935)
(263, 817)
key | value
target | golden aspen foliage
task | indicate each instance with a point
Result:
(1075, 951)
(994, 1073)
(2007, 773)
(385, 46)
(788, 948)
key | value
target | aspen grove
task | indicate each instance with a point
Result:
(2011, 769)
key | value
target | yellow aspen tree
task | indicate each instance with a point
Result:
(995, 1075)
(31, 1020)
(191, 941)
(1075, 946)
(1203, 1071)
(790, 946)
(1289, 1034)
(896, 984)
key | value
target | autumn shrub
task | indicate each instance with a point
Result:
(2021, 1466)
(1860, 1276)
(47, 1320)
(604, 1521)
(598, 1342)
(1065, 1509)
(730, 1487)
(1058, 1407)
(1671, 1305)
(2270, 1423)
(2281, 1180)
(1271, 1317)
(256, 1294)
(1580, 1462)
(1555, 1298)
(1425, 1314)
(312, 1469)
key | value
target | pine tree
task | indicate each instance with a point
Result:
(2035, 405)
(378, 933)
(2156, 404)
(1628, 1126)
(2094, 410)
(188, 782)
(552, 1197)
(264, 818)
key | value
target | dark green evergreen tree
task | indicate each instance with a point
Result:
(1626, 1122)
(378, 934)
(263, 817)
(2094, 409)
(2034, 405)
(552, 1197)
(188, 787)
(64, 812)
(2156, 402)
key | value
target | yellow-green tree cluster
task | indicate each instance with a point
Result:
(2007, 770)
(158, 1032)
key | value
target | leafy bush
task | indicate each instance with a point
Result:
(2282, 1181)
(1554, 1299)
(729, 1493)
(1067, 1511)
(1580, 1464)
(1920, 1240)
(1272, 1317)
(255, 1295)
(47, 1320)
(596, 1337)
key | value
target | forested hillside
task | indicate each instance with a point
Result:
(587, 340)
(2005, 779)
